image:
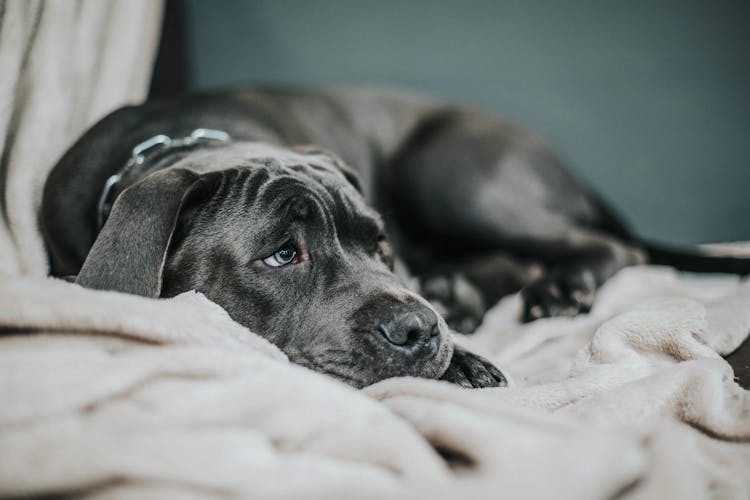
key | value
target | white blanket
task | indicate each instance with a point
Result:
(110, 395)
(106, 395)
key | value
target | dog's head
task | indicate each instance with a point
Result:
(285, 242)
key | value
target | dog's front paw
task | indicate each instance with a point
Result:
(469, 370)
(560, 294)
(456, 299)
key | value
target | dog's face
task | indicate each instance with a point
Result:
(287, 245)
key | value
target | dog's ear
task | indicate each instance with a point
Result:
(130, 251)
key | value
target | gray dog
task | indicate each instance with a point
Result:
(261, 199)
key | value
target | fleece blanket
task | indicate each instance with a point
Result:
(105, 395)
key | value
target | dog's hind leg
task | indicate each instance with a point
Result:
(470, 183)
(584, 261)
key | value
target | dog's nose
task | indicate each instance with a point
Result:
(409, 328)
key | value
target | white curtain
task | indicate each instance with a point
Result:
(63, 65)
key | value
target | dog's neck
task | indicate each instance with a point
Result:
(155, 153)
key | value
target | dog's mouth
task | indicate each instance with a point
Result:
(372, 357)
(363, 357)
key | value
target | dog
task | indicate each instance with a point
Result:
(303, 213)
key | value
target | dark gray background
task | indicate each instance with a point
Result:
(648, 100)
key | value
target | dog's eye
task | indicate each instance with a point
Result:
(282, 257)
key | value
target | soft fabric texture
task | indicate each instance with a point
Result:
(63, 65)
(112, 395)
(106, 395)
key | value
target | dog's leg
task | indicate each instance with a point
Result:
(463, 291)
(580, 263)
(477, 185)
(585, 261)
(472, 371)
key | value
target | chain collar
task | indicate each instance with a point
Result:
(157, 143)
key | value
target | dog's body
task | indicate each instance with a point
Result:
(476, 207)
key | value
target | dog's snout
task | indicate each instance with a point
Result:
(403, 328)
(409, 328)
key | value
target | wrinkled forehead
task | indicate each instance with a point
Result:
(272, 176)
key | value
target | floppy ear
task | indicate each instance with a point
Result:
(130, 250)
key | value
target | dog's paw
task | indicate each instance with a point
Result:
(456, 299)
(471, 371)
(560, 294)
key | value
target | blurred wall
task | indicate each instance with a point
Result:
(649, 101)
